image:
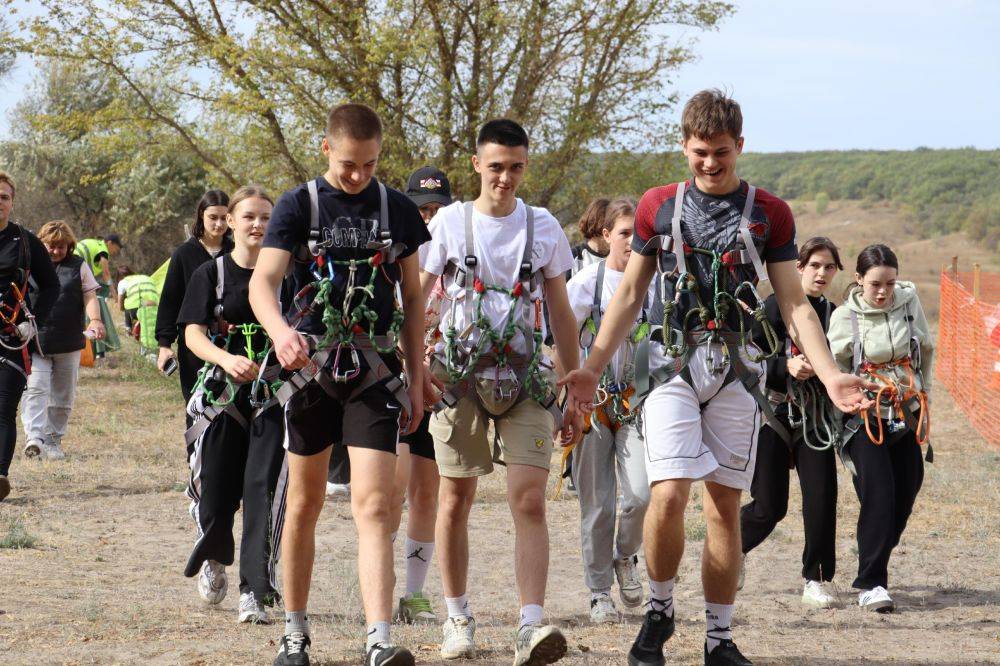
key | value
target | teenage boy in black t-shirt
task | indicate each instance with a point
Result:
(353, 218)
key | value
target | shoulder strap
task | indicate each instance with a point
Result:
(675, 228)
(220, 281)
(314, 230)
(826, 320)
(744, 232)
(525, 272)
(595, 309)
(856, 335)
(469, 263)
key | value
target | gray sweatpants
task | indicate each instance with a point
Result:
(48, 398)
(601, 462)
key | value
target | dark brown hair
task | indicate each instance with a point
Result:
(874, 256)
(711, 113)
(208, 199)
(355, 121)
(815, 244)
(592, 220)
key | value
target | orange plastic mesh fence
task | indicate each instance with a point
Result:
(967, 361)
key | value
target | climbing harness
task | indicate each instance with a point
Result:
(487, 368)
(813, 419)
(900, 404)
(349, 325)
(688, 321)
(17, 322)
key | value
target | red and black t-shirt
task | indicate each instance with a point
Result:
(711, 222)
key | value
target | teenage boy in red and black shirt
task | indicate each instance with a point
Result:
(698, 423)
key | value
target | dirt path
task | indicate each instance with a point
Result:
(109, 533)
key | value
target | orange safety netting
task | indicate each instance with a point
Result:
(967, 360)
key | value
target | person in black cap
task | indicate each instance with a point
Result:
(428, 187)
(416, 469)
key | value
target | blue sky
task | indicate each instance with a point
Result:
(835, 74)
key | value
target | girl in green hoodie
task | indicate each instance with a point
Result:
(881, 332)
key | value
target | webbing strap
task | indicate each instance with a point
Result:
(469, 262)
(220, 280)
(744, 232)
(314, 230)
(526, 278)
(856, 342)
(15, 366)
(211, 413)
(595, 308)
(675, 229)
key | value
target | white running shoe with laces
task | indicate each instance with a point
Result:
(459, 638)
(602, 609)
(212, 582)
(819, 594)
(33, 448)
(629, 582)
(252, 611)
(53, 451)
(876, 599)
(338, 491)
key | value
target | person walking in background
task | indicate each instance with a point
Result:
(51, 389)
(594, 247)
(22, 256)
(611, 456)
(209, 237)
(789, 376)
(98, 252)
(880, 333)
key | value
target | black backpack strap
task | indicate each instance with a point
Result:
(220, 283)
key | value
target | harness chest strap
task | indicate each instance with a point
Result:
(211, 413)
(315, 245)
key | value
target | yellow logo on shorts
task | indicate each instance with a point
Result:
(539, 443)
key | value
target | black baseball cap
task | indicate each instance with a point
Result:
(114, 238)
(428, 185)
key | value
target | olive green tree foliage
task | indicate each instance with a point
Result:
(7, 54)
(72, 163)
(244, 85)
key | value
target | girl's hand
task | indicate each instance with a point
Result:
(799, 368)
(291, 349)
(240, 368)
(166, 353)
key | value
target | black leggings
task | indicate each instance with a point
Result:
(889, 478)
(12, 385)
(818, 481)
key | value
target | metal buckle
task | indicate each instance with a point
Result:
(716, 362)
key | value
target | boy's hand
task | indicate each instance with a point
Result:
(433, 388)
(291, 349)
(846, 392)
(240, 368)
(572, 429)
(581, 385)
(798, 367)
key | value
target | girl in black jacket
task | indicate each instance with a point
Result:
(209, 237)
(787, 375)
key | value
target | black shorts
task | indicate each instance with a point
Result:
(420, 440)
(315, 420)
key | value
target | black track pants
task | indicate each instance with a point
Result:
(818, 482)
(264, 484)
(889, 478)
(188, 366)
(12, 385)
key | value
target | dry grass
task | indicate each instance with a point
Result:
(101, 581)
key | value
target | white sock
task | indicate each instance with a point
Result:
(530, 614)
(418, 561)
(377, 633)
(718, 622)
(296, 621)
(458, 606)
(661, 595)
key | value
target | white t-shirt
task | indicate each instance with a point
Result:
(499, 246)
(581, 299)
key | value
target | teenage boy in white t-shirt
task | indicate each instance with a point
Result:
(496, 386)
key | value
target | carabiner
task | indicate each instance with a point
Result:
(352, 372)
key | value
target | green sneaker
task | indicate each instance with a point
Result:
(415, 608)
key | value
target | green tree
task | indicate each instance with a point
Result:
(250, 81)
(822, 202)
(7, 52)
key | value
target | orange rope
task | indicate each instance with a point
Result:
(895, 394)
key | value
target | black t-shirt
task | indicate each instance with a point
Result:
(348, 222)
(40, 268)
(199, 302)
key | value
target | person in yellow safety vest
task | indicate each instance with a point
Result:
(98, 253)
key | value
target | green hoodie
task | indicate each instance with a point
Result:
(885, 334)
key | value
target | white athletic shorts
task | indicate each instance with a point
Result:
(716, 443)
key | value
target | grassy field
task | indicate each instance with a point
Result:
(92, 549)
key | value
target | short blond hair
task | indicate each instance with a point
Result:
(6, 178)
(57, 232)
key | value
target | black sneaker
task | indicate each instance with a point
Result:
(387, 654)
(294, 650)
(648, 647)
(725, 654)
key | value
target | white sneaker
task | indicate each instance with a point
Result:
(743, 573)
(629, 583)
(53, 451)
(212, 582)
(876, 599)
(338, 490)
(819, 594)
(33, 448)
(252, 611)
(459, 634)
(602, 609)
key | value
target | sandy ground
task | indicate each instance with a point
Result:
(108, 532)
